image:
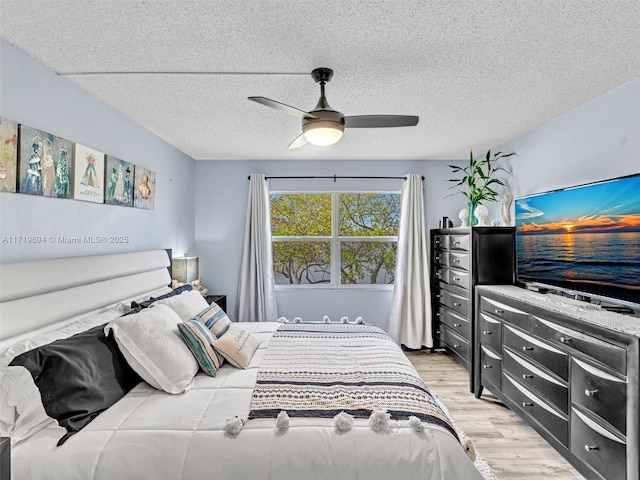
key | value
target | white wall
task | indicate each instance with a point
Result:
(35, 96)
(221, 189)
(596, 141)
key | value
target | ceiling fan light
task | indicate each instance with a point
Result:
(323, 133)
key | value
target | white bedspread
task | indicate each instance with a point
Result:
(149, 434)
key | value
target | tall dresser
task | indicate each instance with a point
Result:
(462, 258)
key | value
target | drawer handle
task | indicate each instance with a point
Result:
(456, 260)
(456, 304)
(527, 404)
(591, 393)
(499, 312)
(487, 366)
(438, 242)
(438, 314)
(437, 274)
(438, 295)
(437, 259)
(526, 375)
(565, 339)
(486, 332)
(456, 324)
(456, 243)
(588, 448)
(527, 349)
(456, 346)
(457, 279)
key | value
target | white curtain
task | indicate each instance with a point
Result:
(410, 321)
(256, 300)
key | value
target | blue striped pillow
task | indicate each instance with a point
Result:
(215, 319)
(199, 339)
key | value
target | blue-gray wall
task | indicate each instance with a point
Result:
(222, 188)
(35, 96)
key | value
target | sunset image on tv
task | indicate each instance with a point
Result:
(585, 238)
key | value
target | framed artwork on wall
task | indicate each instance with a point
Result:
(145, 188)
(45, 163)
(8, 155)
(118, 181)
(88, 174)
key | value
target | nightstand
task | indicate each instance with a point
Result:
(5, 458)
(221, 300)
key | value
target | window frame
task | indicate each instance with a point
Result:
(334, 240)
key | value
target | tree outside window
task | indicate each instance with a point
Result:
(332, 239)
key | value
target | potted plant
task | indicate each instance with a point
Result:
(479, 179)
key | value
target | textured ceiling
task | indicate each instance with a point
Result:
(478, 73)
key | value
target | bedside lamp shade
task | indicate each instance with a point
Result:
(185, 269)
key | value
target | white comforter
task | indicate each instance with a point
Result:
(150, 434)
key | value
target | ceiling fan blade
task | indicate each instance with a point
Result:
(296, 112)
(380, 121)
(298, 142)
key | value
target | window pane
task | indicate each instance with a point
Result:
(300, 214)
(301, 262)
(369, 214)
(368, 262)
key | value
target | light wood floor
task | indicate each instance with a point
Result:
(510, 446)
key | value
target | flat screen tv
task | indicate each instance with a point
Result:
(584, 241)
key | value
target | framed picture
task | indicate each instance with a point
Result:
(144, 188)
(118, 181)
(88, 174)
(45, 163)
(9, 155)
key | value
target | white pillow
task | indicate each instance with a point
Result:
(187, 305)
(237, 346)
(151, 344)
(21, 410)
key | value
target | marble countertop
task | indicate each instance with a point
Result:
(587, 312)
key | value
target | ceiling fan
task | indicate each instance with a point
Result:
(323, 125)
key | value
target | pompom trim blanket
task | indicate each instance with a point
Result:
(323, 369)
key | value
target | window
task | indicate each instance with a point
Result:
(333, 239)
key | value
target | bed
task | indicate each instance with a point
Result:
(270, 414)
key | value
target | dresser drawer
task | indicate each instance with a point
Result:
(607, 353)
(505, 312)
(459, 260)
(459, 242)
(455, 302)
(490, 332)
(441, 241)
(460, 278)
(599, 392)
(455, 342)
(549, 388)
(457, 322)
(546, 355)
(598, 447)
(441, 257)
(534, 406)
(491, 367)
(442, 274)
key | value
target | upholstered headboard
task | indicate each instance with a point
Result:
(39, 295)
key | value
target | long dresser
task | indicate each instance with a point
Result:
(462, 258)
(570, 369)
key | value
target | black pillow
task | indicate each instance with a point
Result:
(137, 306)
(79, 377)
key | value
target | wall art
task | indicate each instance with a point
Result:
(145, 188)
(118, 181)
(8, 155)
(88, 174)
